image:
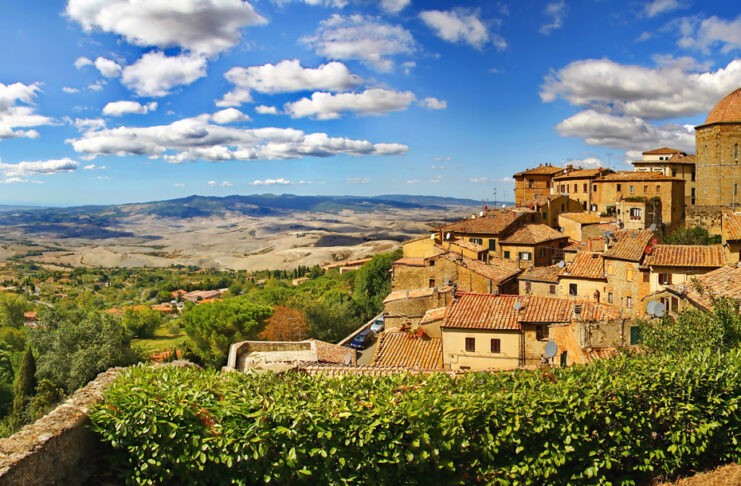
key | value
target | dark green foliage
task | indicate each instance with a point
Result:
(48, 395)
(373, 283)
(214, 326)
(12, 308)
(74, 346)
(25, 385)
(619, 421)
(142, 323)
(695, 235)
(6, 401)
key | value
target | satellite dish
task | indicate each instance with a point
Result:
(348, 359)
(653, 228)
(447, 236)
(473, 216)
(481, 213)
(432, 237)
(561, 229)
(561, 264)
(551, 349)
(650, 307)
(659, 310)
(518, 305)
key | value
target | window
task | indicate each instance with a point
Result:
(594, 207)
(585, 188)
(658, 188)
(530, 184)
(635, 213)
(665, 279)
(496, 346)
(528, 288)
(432, 263)
(563, 208)
(545, 216)
(735, 189)
(609, 297)
(572, 289)
(618, 187)
(628, 301)
(629, 275)
(525, 255)
(552, 290)
(735, 152)
(631, 189)
(477, 241)
(594, 187)
(470, 345)
(645, 188)
(562, 189)
(575, 189)
(693, 194)
(675, 304)
(432, 282)
(646, 277)
(693, 175)
(492, 244)
(610, 269)
(506, 255)
(584, 205)
(674, 172)
(541, 332)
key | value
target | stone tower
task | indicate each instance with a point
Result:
(717, 144)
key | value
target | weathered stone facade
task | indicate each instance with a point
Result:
(718, 169)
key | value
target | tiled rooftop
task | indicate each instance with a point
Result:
(732, 225)
(586, 264)
(630, 245)
(490, 224)
(582, 174)
(592, 244)
(433, 315)
(628, 176)
(662, 151)
(333, 353)
(722, 282)
(532, 234)
(416, 293)
(583, 218)
(408, 351)
(726, 110)
(469, 245)
(497, 270)
(540, 170)
(687, 256)
(541, 274)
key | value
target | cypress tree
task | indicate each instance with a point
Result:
(25, 384)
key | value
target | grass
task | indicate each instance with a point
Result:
(162, 341)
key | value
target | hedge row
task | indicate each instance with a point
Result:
(619, 421)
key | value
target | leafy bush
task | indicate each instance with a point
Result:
(619, 421)
(12, 308)
(694, 235)
(142, 323)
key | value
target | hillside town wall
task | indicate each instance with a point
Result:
(709, 217)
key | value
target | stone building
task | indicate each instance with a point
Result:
(674, 163)
(584, 278)
(724, 282)
(717, 145)
(580, 226)
(533, 245)
(628, 280)
(486, 230)
(577, 184)
(407, 307)
(679, 264)
(549, 208)
(539, 281)
(731, 234)
(536, 182)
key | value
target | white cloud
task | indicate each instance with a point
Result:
(357, 180)
(108, 67)
(704, 34)
(626, 132)
(285, 77)
(459, 26)
(325, 3)
(271, 182)
(205, 27)
(433, 104)
(120, 108)
(229, 115)
(302, 182)
(178, 184)
(437, 167)
(69, 90)
(394, 6)
(84, 124)
(103, 178)
(96, 86)
(226, 184)
(413, 181)
(651, 93)
(211, 183)
(588, 163)
(156, 74)
(266, 110)
(13, 115)
(328, 106)
(361, 38)
(41, 167)
(81, 62)
(656, 7)
(556, 13)
(197, 139)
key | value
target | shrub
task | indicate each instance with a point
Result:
(25, 384)
(620, 421)
(142, 323)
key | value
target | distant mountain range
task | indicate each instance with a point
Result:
(93, 220)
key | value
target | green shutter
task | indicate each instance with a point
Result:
(492, 244)
(635, 335)
(563, 359)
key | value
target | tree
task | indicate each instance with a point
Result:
(12, 307)
(214, 326)
(331, 322)
(25, 384)
(48, 395)
(164, 296)
(75, 345)
(142, 323)
(373, 284)
(286, 324)
(695, 235)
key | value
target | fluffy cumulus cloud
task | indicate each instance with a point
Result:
(41, 167)
(229, 115)
(433, 104)
(587, 163)
(285, 77)
(266, 110)
(709, 32)
(662, 92)
(556, 14)
(81, 62)
(328, 106)
(655, 7)
(394, 6)
(70, 90)
(361, 38)
(156, 74)
(16, 112)
(197, 139)
(205, 27)
(461, 26)
(108, 67)
(271, 182)
(120, 108)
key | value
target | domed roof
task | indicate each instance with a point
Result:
(727, 110)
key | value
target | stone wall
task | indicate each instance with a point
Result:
(709, 217)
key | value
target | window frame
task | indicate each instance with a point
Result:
(470, 344)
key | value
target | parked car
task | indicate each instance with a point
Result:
(377, 325)
(362, 340)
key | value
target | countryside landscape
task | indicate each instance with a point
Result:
(379, 242)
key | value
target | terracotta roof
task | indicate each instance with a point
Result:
(731, 226)
(469, 245)
(333, 353)
(630, 245)
(687, 256)
(498, 312)
(583, 218)
(541, 274)
(540, 170)
(335, 371)
(416, 293)
(592, 244)
(497, 270)
(408, 351)
(727, 110)
(491, 224)
(628, 176)
(582, 174)
(722, 282)
(662, 151)
(540, 200)
(433, 315)
(410, 262)
(586, 264)
(532, 234)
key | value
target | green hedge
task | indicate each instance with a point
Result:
(619, 421)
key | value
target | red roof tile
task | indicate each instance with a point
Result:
(628, 176)
(408, 351)
(497, 270)
(586, 264)
(687, 256)
(583, 174)
(532, 234)
(722, 282)
(662, 151)
(630, 245)
(541, 274)
(540, 170)
(490, 224)
(731, 225)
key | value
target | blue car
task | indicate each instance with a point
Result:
(362, 340)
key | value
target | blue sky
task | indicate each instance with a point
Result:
(111, 101)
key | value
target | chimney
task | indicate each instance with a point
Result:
(577, 311)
